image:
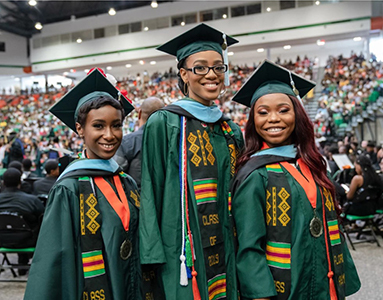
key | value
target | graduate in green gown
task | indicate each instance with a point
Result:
(290, 245)
(189, 155)
(88, 243)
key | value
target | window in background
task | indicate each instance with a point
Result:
(99, 33)
(191, 18)
(177, 20)
(286, 4)
(237, 11)
(135, 27)
(206, 15)
(253, 9)
(149, 24)
(2, 46)
(124, 28)
(220, 13)
(85, 35)
(50, 41)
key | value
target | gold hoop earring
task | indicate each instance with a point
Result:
(186, 89)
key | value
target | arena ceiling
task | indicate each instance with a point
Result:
(18, 17)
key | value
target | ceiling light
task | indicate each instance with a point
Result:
(287, 47)
(182, 23)
(65, 73)
(128, 65)
(224, 16)
(112, 12)
(230, 53)
(321, 42)
(79, 41)
(38, 26)
(268, 9)
(86, 71)
(17, 79)
(146, 28)
(109, 68)
(32, 3)
(260, 50)
(154, 4)
(153, 62)
(317, 2)
(141, 62)
(357, 39)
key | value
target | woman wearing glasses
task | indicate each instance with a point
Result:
(189, 155)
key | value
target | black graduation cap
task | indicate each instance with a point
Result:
(94, 85)
(200, 38)
(270, 78)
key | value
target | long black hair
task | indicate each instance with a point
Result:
(368, 171)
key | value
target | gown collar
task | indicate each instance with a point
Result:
(208, 114)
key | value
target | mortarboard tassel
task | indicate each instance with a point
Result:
(225, 59)
(296, 92)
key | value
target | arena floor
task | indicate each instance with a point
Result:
(368, 259)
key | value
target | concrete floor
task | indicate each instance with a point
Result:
(367, 257)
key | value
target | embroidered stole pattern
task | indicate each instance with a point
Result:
(204, 176)
(95, 279)
(278, 245)
(278, 221)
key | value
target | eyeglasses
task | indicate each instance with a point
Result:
(203, 70)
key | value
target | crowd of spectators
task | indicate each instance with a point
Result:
(349, 87)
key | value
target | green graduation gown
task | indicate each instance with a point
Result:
(160, 211)
(57, 271)
(309, 266)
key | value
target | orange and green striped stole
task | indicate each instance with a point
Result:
(93, 263)
(205, 190)
(278, 254)
(217, 287)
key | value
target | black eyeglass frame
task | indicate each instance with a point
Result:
(208, 69)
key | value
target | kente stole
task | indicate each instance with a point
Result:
(95, 278)
(202, 163)
(278, 245)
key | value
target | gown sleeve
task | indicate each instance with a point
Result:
(54, 270)
(154, 157)
(255, 278)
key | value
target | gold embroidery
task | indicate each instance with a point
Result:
(209, 148)
(202, 147)
(284, 207)
(92, 214)
(82, 217)
(233, 158)
(194, 149)
(329, 204)
(268, 206)
(136, 197)
(274, 192)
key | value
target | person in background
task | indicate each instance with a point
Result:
(370, 152)
(43, 186)
(88, 243)
(29, 206)
(189, 152)
(289, 241)
(26, 186)
(365, 188)
(128, 156)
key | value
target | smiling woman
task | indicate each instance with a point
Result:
(287, 228)
(189, 153)
(88, 242)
